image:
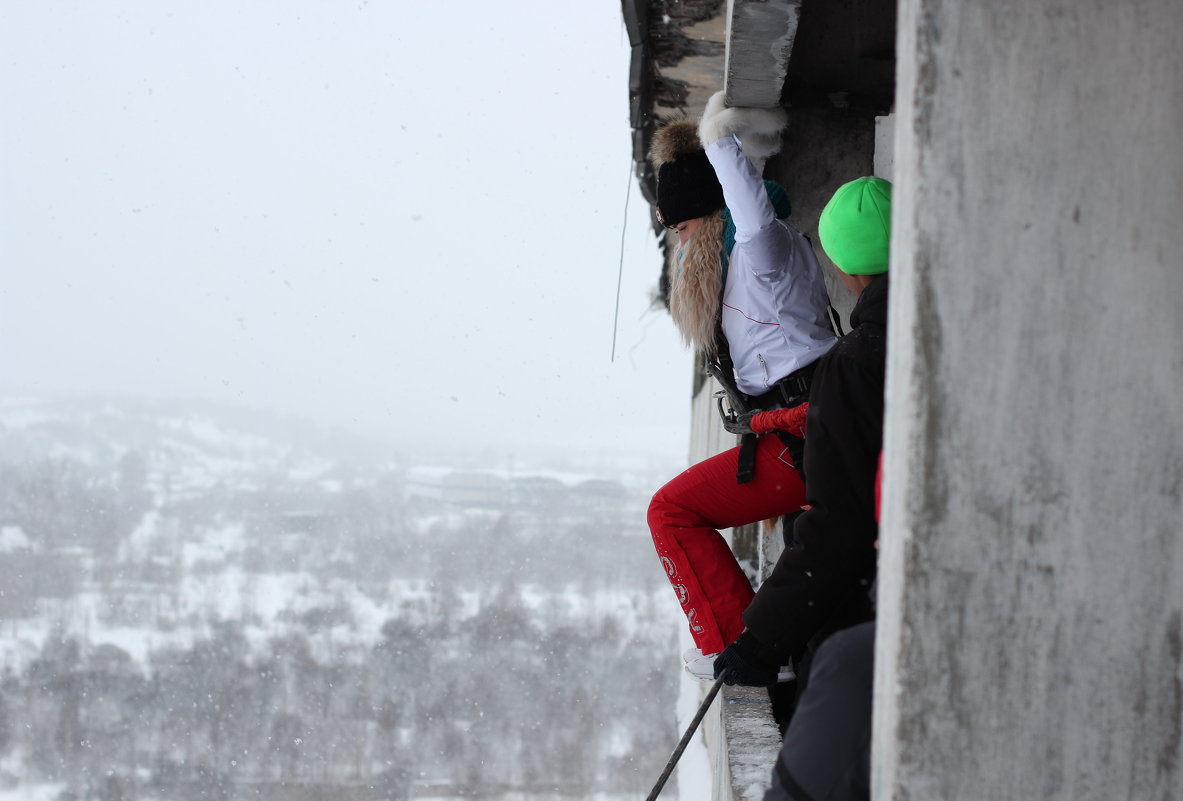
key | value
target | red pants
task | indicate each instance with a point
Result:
(685, 516)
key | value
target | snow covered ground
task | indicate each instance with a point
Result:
(295, 548)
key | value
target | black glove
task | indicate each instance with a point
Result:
(740, 424)
(746, 662)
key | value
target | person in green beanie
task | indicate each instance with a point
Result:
(822, 580)
(855, 229)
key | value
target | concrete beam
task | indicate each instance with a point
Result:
(760, 36)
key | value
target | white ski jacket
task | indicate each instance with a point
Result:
(775, 301)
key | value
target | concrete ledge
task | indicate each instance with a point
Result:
(759, 36)
(747, 746)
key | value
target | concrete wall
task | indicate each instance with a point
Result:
(822, 149)
(1031, 579)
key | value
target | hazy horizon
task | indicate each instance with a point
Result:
(323, 211)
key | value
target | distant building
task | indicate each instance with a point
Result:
(466, 490)
(537, 493)
(600, 495)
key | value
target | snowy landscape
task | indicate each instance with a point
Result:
(204, 603)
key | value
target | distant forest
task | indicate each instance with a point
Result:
(177, 630)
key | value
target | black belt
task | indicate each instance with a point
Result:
(790, 391)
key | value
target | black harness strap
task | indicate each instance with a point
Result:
(790, 391)
(836, 322)
(723, 370)
(745, 468)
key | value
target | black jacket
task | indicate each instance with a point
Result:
(821, 581)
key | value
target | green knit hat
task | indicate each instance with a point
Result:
(855, 226)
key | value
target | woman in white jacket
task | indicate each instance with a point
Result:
(747, 292)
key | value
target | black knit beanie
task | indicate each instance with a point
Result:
(686, 184)
(687, 188)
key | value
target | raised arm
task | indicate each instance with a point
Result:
(743, 188)
(733, 138)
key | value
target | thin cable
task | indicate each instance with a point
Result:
(620, 272)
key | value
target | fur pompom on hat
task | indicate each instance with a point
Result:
(686, 184)
(672, 141)
(855, 226)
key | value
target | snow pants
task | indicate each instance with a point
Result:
(685, 517)
(826, 755)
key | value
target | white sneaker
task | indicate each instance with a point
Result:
(699, 665)
(702, 666)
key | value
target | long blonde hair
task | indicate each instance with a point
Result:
(696, 284)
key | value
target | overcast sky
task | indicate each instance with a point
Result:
(402, 217)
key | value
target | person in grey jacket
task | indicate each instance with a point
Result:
(826, 754)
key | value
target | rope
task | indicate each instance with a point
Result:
(620, 271)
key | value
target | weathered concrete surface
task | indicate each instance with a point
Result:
(760, 37)
(822, 149)
(885, 147)
(677, 59)
(750, 739)
(698, 73)
(1031, 578)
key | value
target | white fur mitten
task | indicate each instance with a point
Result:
(758, 129)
